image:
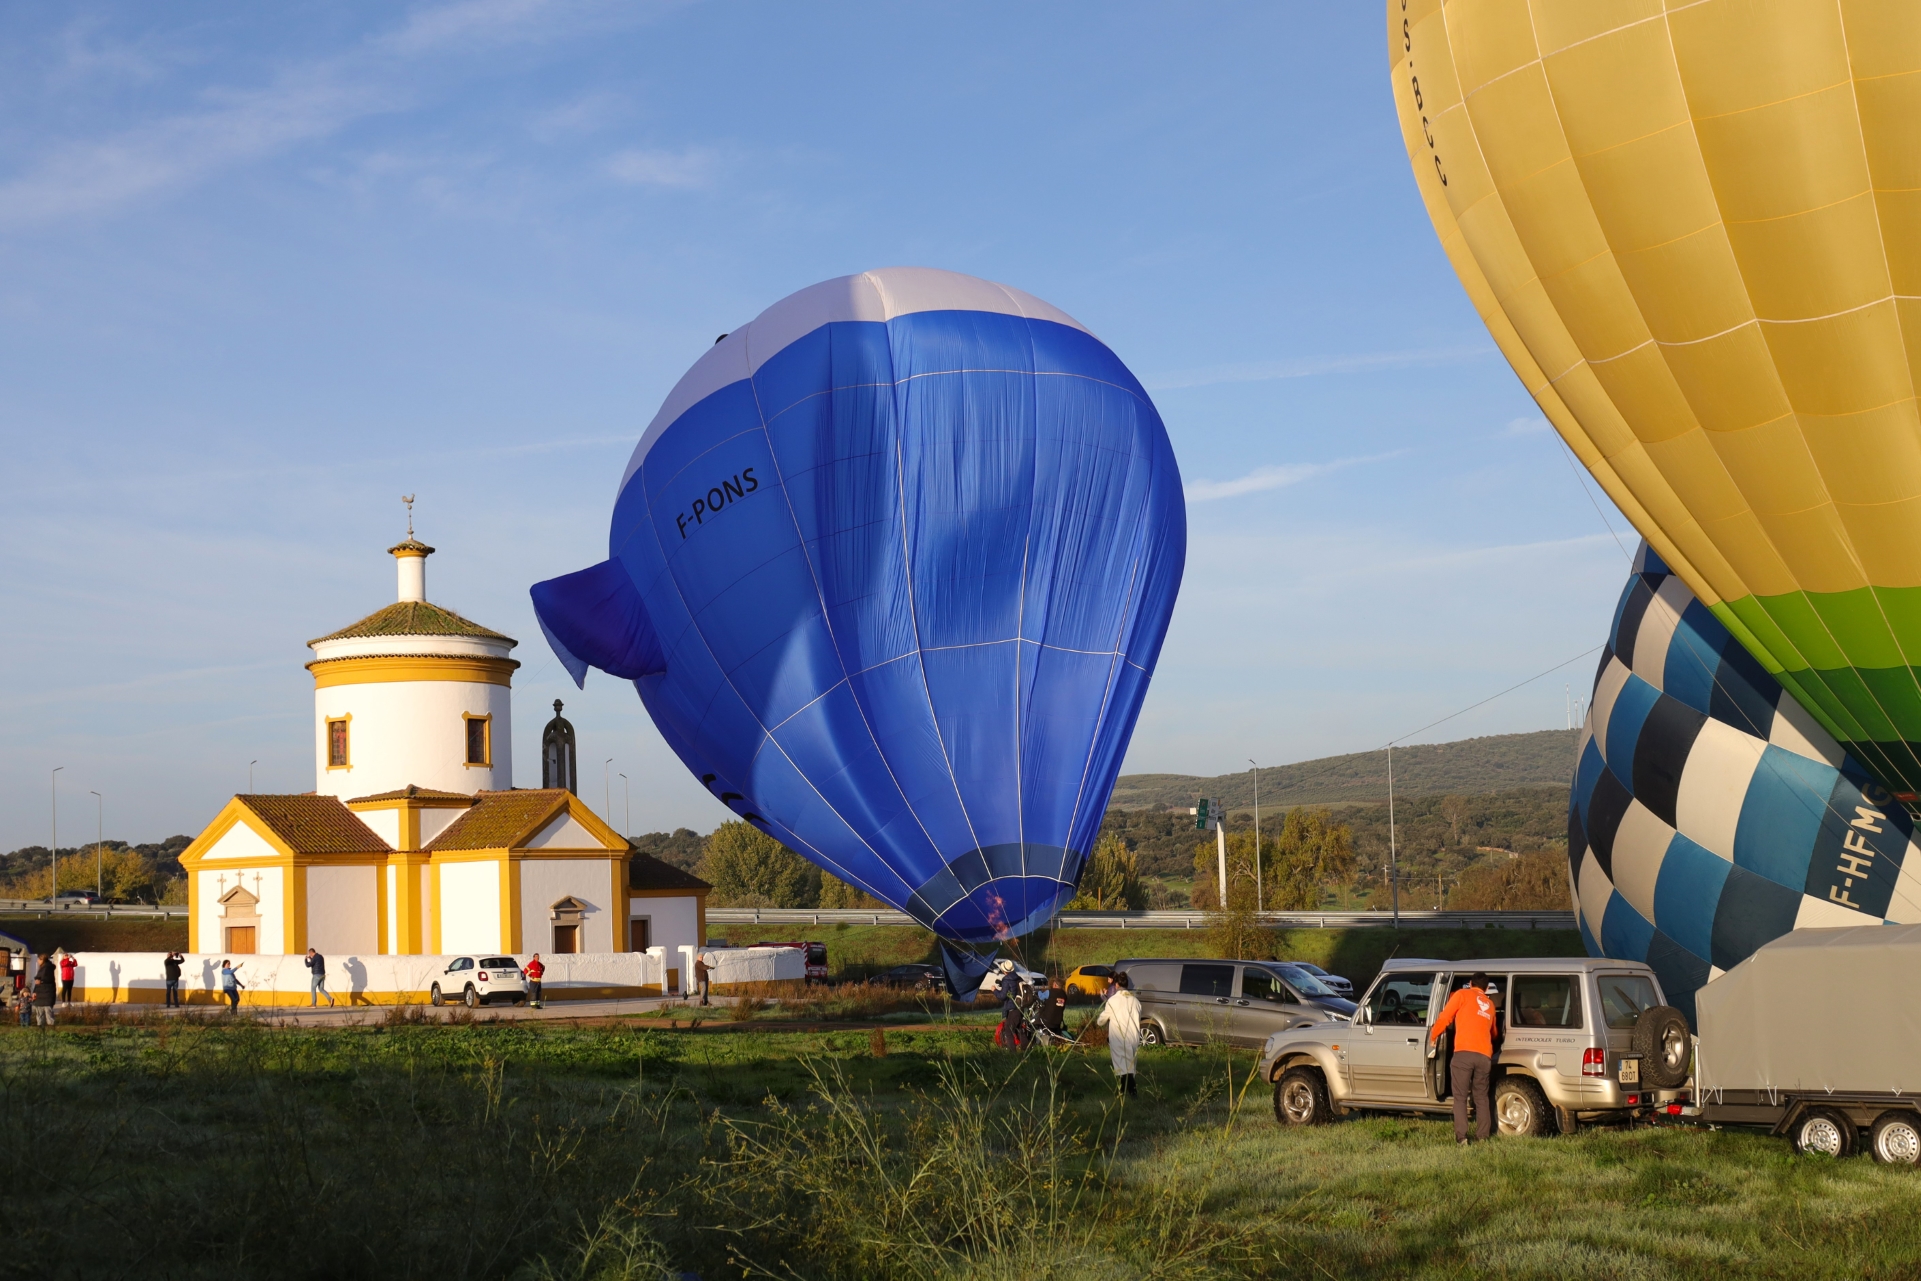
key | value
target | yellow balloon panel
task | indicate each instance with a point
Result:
(1694, 229)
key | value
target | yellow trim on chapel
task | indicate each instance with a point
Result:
(472, 668)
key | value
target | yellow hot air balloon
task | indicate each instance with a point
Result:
(1694, 229)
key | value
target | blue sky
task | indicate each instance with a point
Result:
(264, 269)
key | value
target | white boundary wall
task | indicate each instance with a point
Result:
(746, 964)
(355, 980)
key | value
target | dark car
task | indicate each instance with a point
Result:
(925, 977)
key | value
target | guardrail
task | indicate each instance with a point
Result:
(41, 907)
(1168, 920)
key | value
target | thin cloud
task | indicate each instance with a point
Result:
(1314, 366)
(308, 102)
(98, 175)
(1530, 425)
(1276, 477)
(681, 170)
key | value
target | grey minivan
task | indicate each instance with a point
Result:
(1237, 1002)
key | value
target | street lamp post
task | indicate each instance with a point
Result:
(53, 858)
(250, 765)
(607, 791)
(1393, 863)
(1258, 899)
(99, 859)
(627, 793)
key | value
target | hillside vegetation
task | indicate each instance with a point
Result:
(1497, 763)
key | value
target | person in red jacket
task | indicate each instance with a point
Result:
(1471, 1012)
(67, 967)
(534, 971)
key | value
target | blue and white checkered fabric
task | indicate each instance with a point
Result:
(1710, 812)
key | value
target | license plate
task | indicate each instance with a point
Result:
(1630, 1071)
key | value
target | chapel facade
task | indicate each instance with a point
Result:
(414, 840)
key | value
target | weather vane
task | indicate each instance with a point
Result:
(409, 500)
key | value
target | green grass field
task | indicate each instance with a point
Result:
(466, 1149)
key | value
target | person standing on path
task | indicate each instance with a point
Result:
(68, 967)
(174, 963)
(703, 976)
(1122, 1015)
(535, 971)
(1471, 1012)
(43, 989)
(230, 984)
(317, 979)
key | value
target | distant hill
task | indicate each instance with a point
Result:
(1470, 766)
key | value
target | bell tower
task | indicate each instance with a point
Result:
(412, 694)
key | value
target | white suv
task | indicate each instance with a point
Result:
(479, 980)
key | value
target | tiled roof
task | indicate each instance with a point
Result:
(496, 819)
(413, 618)
(645, 872)
(315, 824)
(412, 544)
(412, 790)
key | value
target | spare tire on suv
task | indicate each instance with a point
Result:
(1666, 1047)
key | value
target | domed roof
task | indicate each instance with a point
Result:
(414, 618)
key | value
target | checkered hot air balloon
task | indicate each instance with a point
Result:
(1710, 812)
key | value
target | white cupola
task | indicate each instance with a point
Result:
(412, 694)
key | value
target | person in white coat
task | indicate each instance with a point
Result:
(1122, 1017)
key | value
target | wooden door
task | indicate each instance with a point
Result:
(240, 939)
(566, 938)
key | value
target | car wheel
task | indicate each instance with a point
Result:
(1896, 1138)
(434, 997)
(1520, 1109)
(1300, 1098)
(1667, 1051)
(521, 999)
(471, 998)
(1152, 1034)
(1823, 1132)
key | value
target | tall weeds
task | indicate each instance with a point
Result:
(975, 1178)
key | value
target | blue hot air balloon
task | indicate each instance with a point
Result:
(890, 570)
(1710, 812)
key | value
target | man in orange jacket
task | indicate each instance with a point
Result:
(1472, 1013)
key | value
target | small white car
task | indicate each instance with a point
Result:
(479, 980)
(991, 984)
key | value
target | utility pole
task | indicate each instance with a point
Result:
(1393, 862)
(1220, 848)
(53, 857)
(99, 859)
(1259, 899)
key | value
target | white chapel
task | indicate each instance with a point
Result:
(415, 840)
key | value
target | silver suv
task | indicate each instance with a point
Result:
(1580, 1038)
(1236, 1002)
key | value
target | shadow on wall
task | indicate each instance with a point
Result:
(356, 992)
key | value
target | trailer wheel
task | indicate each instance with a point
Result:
(1896, 1138)
(1300, 1098)
(1661, 1039)
(1520, 1109)
(1823, 1132)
